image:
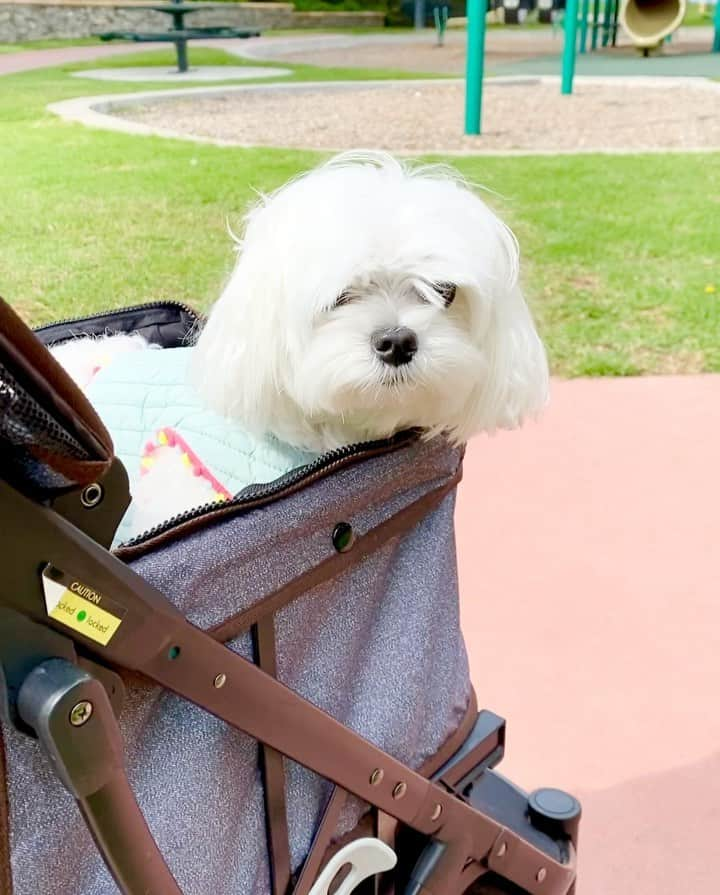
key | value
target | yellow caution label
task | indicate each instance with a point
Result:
(69, 607)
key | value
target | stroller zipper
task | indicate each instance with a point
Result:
(256, 495)
(117, 312)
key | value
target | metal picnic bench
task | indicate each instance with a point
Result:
(178, 33)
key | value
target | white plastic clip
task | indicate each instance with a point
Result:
(366, 858)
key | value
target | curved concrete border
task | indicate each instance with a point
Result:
(199, 73)
(96, 111)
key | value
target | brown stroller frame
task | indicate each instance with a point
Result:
(62, 494)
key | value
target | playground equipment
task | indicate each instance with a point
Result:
(602, 27)
(648, 22)
(477, 11)
(601, 24)
(440, 17)
(549, 10)
(425, 13)
(515, 12)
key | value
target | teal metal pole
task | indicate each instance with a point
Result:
(615, 14)
(569, 44)
(477, 15)
(716, 40)
(584, 13)
(607, 16)
(595, 24)
(440, 15)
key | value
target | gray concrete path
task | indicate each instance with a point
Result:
(25, 60)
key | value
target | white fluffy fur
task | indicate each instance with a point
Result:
(278, 354)
(82, 357)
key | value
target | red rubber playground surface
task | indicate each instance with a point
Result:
(589, 548)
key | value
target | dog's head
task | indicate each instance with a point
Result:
(369, 297)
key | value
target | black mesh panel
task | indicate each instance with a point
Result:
(32, 445)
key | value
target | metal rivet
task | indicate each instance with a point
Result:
(343, 537)
(219, 680)
(541, 874)
(400, 790)
(80, 713)
(376, 776)
(502, 850)
(91, 496)
(437, 811)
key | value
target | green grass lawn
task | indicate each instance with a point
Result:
(622, 253)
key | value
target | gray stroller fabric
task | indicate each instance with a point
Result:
(378, 647)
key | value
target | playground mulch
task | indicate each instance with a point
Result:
(427, 117)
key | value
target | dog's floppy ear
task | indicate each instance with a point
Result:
(514, 383)
(243, 342)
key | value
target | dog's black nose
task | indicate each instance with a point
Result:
(395, 346)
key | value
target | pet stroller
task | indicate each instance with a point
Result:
(267, 696)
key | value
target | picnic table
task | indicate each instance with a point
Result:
(178, 33)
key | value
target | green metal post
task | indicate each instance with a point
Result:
(182, 58)
(595, 17)
(607, 15)
(615, 14)
(477, 15)
(584, 12)
(716, 40)
(569, 44)
(440, 15)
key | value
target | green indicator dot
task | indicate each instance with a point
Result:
(82, 615)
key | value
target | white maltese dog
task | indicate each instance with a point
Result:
(368, 297)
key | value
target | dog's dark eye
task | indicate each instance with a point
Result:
(446, 291)
(345, 296)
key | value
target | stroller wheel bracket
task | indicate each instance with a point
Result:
(24, 645)
(59, 701)
(72, 717)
